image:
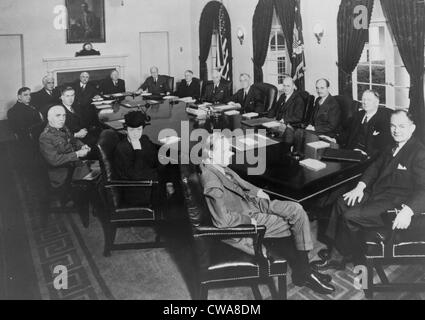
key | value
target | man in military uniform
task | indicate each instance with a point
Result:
(62, 151)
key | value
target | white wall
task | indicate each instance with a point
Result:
(34, 19)
(320, 59)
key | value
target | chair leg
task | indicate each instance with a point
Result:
(272, 288)
(256, 292)
(283, 294)
(203, 292)
(369, 291)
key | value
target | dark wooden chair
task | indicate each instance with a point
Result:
(220, 265)
(385, 247)
(117, 214)
(170, 83)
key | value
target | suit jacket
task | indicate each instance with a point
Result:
(219, 95)
(326, 118)
(130, 164)
(400, 179)
(161, 86)
(84, 97)
(107, 86)
(291, 111)
(21, 118)
(73, 120)
(378, 135)
(58, 148)
(254, 101)
(42, 100)
(194, 90)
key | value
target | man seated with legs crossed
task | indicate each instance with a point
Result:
(233, 201)
(395, 180)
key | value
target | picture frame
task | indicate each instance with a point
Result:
(86, 21)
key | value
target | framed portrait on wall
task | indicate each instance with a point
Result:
(86, 21)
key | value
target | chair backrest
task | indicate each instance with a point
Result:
(170, 83)
(309, 105)
(199, 214)
(269, 92)
(108, 141)
(348, 108)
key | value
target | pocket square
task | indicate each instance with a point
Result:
(400, 167)
(376, 133)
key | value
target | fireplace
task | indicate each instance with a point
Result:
(67, 70)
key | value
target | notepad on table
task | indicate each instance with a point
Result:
(319, 145)
(313, 164)
(170, 97)
(250, 115)
(271, 124)
(232, 113)
(187, 100)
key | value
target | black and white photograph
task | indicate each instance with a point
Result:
(213, 156)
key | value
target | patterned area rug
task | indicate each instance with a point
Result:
(157, 274)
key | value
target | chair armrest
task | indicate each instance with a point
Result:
(244, 231)
(132, 184)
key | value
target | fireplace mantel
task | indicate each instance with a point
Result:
(70, 64)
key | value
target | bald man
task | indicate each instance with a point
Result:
(84, 91)
(249, 98)
(47, 96)
(113, 84)
(61, 150)
(216, 92)
(155, 84)
(290, 107)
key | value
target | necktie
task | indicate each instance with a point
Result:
(83, 87)
(155, 81)
(365, 120)
(245, 94)
(115, 83)
(394, 150)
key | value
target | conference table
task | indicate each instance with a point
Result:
(284, 178)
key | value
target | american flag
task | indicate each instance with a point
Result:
(298, 59)
(223, 43)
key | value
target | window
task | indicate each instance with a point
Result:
(380, 67)
(277, 63)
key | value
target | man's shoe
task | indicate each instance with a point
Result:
(315, 284)
(322, 276)
(322, 265)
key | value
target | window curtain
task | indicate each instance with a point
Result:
(351, 42)
(261, 28)
(285, 10)
(406, 19)
(209, 18)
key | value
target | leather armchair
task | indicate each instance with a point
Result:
(170, 83)
(385, 247)
(116, 213)
(269, 92)
(348, 108)
(220, 264)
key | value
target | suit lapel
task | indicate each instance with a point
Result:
(400, 157)
(229, 185)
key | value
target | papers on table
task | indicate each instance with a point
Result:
(232, 113)
(250, 115)
(319, 145)
(313, 164)
(200, 113)
(170, 140)
(152, 102)
(187, 100)
(251, 141)
(106, 111)
(97, 99)
(226, 107)
(170, 98)
(116, 125)
(98, 103)
(271, 124)
(147, 94)
(103, 106)
(205, 104)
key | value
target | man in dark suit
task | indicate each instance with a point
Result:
(248, 97)
(155, 84)
(233, 201)
(47, 96)
(189, 87)
(326, 115)
(113, 84)
(290, 107)
(61, 151)
(395, 180)
(217, 92)
(23, 115)
(369, 130)
(84, 91)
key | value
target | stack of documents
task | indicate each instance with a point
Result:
(313, 164)
(319, 145)
(170, 98)
(232, 113)
(250, 115)
(187, 100)
(226, 107)
(272, 124)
